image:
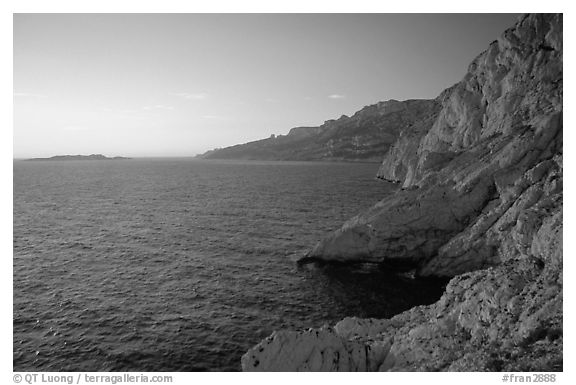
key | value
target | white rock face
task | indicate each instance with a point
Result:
(504, 318)
(463, 174)
(481, 202)
(314, 350)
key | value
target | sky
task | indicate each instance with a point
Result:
(181, 84)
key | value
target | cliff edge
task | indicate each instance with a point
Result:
(481, 201)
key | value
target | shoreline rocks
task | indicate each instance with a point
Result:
(463, 176)
(481, 201)
(504, 318)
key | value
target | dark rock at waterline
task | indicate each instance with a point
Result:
(481, 202)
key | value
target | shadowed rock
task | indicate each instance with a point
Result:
(481, 201)
(464, 173)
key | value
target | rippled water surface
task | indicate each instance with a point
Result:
(182, 265)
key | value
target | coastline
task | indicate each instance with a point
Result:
(481, 202)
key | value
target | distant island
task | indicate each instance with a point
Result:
(80, 157)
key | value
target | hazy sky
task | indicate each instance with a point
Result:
(180, 84)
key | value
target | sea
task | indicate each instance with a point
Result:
(184, 264)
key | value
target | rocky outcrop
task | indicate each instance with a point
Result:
(481, 201)
(315, 350)
(505, 318)
(466, 179)
(365, 136)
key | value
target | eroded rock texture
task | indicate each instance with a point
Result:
(507, 317)
(478, 172)
(481, 201)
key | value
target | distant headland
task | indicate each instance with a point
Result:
(81, 157)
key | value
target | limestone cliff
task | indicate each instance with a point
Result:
(481, 201)
(365, 136)
(481, 172)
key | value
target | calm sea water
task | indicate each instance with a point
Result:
(182, 265)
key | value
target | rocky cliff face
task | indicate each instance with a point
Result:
(488, 161)
(365, 136)
(481, 202)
